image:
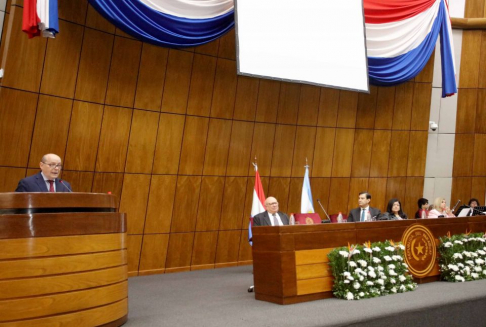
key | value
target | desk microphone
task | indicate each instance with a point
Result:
(67, 188)
(328, 219)
(454, 208)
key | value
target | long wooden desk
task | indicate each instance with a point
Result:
(63, 260)
(290, 263)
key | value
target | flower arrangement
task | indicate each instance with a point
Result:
(369, 270)
(462, 257)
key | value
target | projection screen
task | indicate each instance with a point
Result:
(320, 42)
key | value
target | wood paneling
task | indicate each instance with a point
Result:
(479, 162)
(240, 148)
(180, 250)
(377, 188)
(463, 155)
(16, 124)
(202, 83)
(328, 107)
(141, 146)
(363, 142)
(51, 128)
(115, 130)
(98, 22)
(228, 245)
(194, 146)
(210, 200)
(343, 154)
(417, 153)
(262, 148)
(308, 105)
(380, 153)
(396, 188)
(233, 203)
(154, 252)
(204, 249)
(474, 9)
(384, 108)
(469, 76)
(321, 190)
(267, 104)
(246, 98)
(478, 189)
(73, 11)
(160, 204)
(481, 111)
(348, 105)
(461, 189)
(482, 61)
(108, 183)
(414, 191)
(177, 81)
(279, 188)
(288, 104)
(81, 181)
(304, 149)
(365, 115)
(151, 77)
(134, 201)
(9, 178)
(169, 141)
(283, 150)
(323, 152)
(210, 48)
(59, 75)
(217, 147)
(185, 204)
(84, 134)
(421, 106)
(227, 48)
(94, 66)
(356, 186)
(399, 146)
(134, 249)
(402, 113)
(123, 72)
(466, 110)
(338, 195)
(224, 91)
(295, 195)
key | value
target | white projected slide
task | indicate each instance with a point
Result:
(318, 42)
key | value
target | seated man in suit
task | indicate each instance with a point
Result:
(271, 217)
(47, 179)
(359, 214)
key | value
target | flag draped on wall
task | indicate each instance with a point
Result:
(306, 204)
(401, 34)
(40, 17)
(258, 204)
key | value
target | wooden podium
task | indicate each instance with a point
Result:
(63, 260)
(290, 263)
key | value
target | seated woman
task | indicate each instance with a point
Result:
(423, 211)
(441, 210)
(393, 211)
(473, 203)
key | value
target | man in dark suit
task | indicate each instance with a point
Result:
(47, 179)
(271, 217)
(359, 214)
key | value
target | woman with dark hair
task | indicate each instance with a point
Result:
(393, 211)
(423, 211)
(473, 203)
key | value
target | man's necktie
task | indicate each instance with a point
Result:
(362, 215)
(51, 186)
(275, 221)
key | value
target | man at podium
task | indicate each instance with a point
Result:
(271, 217)
(47, 179)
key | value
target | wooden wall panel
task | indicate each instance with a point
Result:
(115, 131)
(348, 106)
(59, 75)
(154, 252)
(377, 189)
(427, 73)
(193, 146)
(227, 47)
(304, 149)
(399, 146)
(380, 153)
(481, 110)
(414, 191)
(233, 203)
(141, 146)
(482, 61)
(365, 114)
(217, 146)
(245, 254)
(295, 195)
(9, 178)
(240, 148)
(262, 148)
(224, 91)
(328, 107)
(356, 186)
(177, 81)
(343, 154)
(246, 98)
(478, 189)
(180, 250)
(308, 105)
(402, 113)
(98, 22)
(321, 190)
(134, 201)
(396, 188)
(267, 104)
(479, 162)
(73, 11)
(123, 72)
(279, 188)
(160, 204)
(108, 183)
(23, 59)
(228, 245)
(81, 181)
(417, 153)
(384, 108)
(204, 249)
(151, 77)
(84, 134)
(210, 48)
(463, 155)
(16, 124)
(283, 150)
(185, 204)
(338, 195)
(461, 189)
(288, 103)
(202, 83)
(466, 110)
(209, 205)
(363, 142)
(94, 66)
(51, 128)
(470, 55)
(169, 141)
(421, 107)
(323, 152)
(134, 248)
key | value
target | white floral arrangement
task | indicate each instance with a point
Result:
(369, 270)
(462, 257)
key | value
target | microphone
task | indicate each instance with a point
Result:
(67, 188)
(454, 208)
(319, 201)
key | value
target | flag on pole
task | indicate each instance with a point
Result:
(40, 17)
(306, 205)
(258, 204)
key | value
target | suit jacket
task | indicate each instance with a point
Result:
(36, 183)
(263, 219)
(355, 214)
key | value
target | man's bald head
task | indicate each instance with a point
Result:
(271, 204)
(51, 166)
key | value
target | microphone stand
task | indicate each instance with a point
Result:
(319, 201)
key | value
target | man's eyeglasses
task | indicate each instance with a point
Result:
(272, 204)
(53, 165)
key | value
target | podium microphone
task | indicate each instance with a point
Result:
(319, 201)
(67, 188)
(454, 208)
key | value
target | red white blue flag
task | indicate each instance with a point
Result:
(40, 17)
